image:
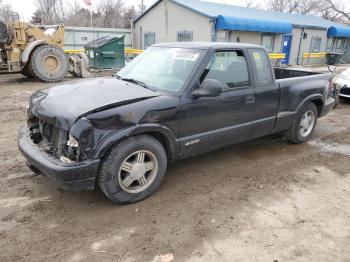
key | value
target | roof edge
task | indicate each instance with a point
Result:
(175, 2)
(147, 10)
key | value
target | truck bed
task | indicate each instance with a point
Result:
(281, 73)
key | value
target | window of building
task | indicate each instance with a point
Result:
(329, 47)
(229, 68)
(185, 36)
(150, 39)
(262, 67)
(339, 45)
(222, 36)
(315, 44)
(268, 41)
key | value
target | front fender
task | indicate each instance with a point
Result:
(119, 135)
(28, 50)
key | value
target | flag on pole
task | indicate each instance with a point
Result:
(87, 2)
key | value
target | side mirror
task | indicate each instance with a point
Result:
(209, 88)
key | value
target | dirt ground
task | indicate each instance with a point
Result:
(264, 200)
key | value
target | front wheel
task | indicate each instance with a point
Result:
(304, 125)
(133, 169)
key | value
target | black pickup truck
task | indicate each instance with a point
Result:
(173, 101)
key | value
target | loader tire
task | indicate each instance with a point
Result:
(48, 63)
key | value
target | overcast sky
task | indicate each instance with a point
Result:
(25, 8)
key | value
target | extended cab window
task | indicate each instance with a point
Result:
(229, 68)
(262, 66)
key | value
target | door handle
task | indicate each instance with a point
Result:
(250, 99)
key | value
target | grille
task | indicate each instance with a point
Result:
(56, 138)
(345, 91)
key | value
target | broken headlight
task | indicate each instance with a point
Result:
(72, 142)
(80, 140)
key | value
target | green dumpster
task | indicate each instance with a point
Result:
(333, 58)
(106, 52)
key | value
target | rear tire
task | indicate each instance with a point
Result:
(133, 169)
(48, 63)
(304, 125)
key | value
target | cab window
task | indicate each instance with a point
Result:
(262, 67)
(230, 68)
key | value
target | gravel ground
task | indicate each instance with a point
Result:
(265, 200)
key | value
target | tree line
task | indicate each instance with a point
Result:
(333, 10)
(107, 13)
(114, 13)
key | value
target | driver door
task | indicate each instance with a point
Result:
(207, 123)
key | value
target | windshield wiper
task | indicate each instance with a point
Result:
(132, 80)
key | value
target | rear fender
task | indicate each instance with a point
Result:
(286, 119)
(313, 98)
(28, 50)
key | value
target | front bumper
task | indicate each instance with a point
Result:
(328, 105)
(72, 176)
(344, 92)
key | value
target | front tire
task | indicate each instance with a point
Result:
(304, 125)
(133, 169)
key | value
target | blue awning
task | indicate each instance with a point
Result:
(253, 25)
(338, 31)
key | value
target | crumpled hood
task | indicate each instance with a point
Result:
(62, 105)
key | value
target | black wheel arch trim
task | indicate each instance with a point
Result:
(172, 144)
(312, 98)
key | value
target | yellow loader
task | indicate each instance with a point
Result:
(36, 51)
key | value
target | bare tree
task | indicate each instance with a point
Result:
(52, 11)
(336, 11)
(77, 15)
(307, 7)
(304, 7)
(129, 15)
(5, 12)
(252, 4)
(142, 6)
(109, 13)
(280, 5)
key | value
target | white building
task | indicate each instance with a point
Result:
(194, 20)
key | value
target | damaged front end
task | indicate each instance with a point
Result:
(67, 123)
(59, 154)
(67, 146)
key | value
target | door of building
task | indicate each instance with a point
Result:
(287, 43)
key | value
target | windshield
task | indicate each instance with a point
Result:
(163, 68)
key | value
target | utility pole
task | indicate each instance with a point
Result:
(142, 6)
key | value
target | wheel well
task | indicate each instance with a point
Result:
(319, 105)
(31, 52)
(162, 139)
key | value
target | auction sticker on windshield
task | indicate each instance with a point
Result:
(186, 55)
